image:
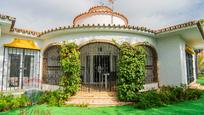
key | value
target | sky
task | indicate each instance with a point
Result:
(40, 15)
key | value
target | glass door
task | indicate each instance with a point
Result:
(27, 69)
(15, 60)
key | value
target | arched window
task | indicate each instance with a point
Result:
(150, 65)
(51, 66)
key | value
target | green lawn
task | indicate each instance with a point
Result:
(200, 81)
(184, 108)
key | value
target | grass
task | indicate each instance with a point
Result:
(183, 108)
(200, 79)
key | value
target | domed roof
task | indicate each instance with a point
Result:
(100, 9)
(100, 15)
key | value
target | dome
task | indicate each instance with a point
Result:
(100, 9)
(100, 15)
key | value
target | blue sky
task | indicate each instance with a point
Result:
(44, 14)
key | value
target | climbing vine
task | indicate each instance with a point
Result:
(70, 64)
(131, 74)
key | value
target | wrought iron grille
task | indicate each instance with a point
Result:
(150, 65)
(189, 67)
(99, 67)
(51, 68)
(20, 69)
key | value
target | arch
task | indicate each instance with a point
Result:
(50, 45)
(99, 59)
(51, 65)
(151, 62)
(111, 42)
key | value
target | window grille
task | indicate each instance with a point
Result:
(20, 69)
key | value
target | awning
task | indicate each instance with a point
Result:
(22, 43)
(190, 50)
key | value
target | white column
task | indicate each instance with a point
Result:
(21, 69)
(41, 69)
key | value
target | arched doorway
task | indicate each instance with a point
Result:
(51, 67)
(99, 65)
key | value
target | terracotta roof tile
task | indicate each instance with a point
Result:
(179, 26)
(28, 32)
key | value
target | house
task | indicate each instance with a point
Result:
(30, 59)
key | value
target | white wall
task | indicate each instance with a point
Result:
(172, 61)
(84, 37)
(100, 19)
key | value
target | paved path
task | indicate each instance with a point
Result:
(197, 86)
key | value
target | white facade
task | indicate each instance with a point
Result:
(169, 43)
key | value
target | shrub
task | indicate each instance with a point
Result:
(201, 76)
(131, 71)
(193, 94)
(166, 95)
(148, 100)
(53, 98)
(4, 105)
(9, 102)
(15, 103)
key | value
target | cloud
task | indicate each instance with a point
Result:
(158, 13)
(43, 14)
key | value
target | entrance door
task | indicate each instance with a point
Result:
(20, 78)
(101, 65)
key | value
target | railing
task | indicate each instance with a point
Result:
(107, 83)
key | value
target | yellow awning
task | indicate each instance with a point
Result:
(190, 50)
(22, 43)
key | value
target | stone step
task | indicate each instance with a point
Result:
(89, 100)
(97, 94)
(95, 99)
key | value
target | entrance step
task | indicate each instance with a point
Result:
(96, 99)
(95, 94)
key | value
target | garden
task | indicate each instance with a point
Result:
(192, 107)
(165, 100)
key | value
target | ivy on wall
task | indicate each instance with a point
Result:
(131, 73)
(70, 64)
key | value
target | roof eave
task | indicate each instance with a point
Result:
(200, 28)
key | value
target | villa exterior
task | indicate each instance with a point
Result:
(30, 59)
